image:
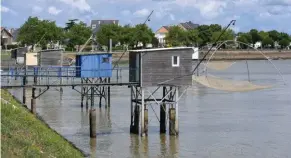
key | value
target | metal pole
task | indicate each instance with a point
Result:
(142, 113)
(33, 104)
(24, 81)
(110, 45)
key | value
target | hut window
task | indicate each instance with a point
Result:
(105, 60)
(175, 61)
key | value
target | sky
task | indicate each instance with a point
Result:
(259, 14)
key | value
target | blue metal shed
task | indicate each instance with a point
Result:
(94, 65)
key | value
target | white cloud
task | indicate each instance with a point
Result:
(162, 12)
(7, 10)
(141, 13)
(82, 5)
(4, 9)
(36, 9)
(209, 9)
(53, 10)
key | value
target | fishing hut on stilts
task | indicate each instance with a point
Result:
(151, 68)
(94, 68)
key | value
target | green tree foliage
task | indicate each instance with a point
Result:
(192, 37)
(78, 34)
(275, 35)
(284, 43)
(175, 36)
(107, 32)
(143, 34)
(227, 35)
(204, 34)
(155, 42)
(263, 34)
(283, 35)
(127, 36)
(244, 38)
(35, 31)
(255, 36)
(70, 24)
(268, 42)
(215, 28)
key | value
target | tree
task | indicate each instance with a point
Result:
(204, 34)
(227, 35)
(192, 37)
(78, 35)
(35, 31)
(275, 35)
(175, 36)
(143, 34)
(107, 32)
(244, 38)
(215, 28)
(255, 36)
(70, 24)
(127, 36)
(263, 34)
(268, 42)
(155, 42)
(283, 35)
(284, 43)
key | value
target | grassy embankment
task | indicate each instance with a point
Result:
(5, 55)
(23, 135)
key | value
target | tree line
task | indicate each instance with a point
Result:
(42, 32)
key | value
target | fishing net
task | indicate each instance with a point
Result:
(228, 85)
(219, 65)
(235, 65)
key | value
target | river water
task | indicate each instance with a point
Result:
(212, 123)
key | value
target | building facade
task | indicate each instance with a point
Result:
(162, 32)
(96, 24)
(6, 38)
(151, 67)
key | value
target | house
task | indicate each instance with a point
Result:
(14, 32)
(258, 45)
(6, 38)
(188, 25)
(161, 34)
(94, 65)
(95, 24)
(152, 67)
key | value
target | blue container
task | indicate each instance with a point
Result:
(94, 65)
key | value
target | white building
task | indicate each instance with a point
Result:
(161, 34)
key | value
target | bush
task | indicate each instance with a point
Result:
(10, 46)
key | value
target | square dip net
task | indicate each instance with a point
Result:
(235, 72)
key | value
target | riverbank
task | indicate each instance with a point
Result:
(23, 135)
(219, 55)
(251, 55)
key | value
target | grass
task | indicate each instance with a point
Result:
(5, 55)
(23, 135)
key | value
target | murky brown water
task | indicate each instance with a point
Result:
(212, 123)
